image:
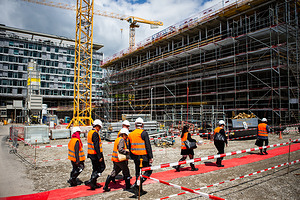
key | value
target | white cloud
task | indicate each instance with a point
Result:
(107, 31)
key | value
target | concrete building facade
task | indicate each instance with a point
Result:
(54, 56)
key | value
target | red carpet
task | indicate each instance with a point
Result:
(81, 191)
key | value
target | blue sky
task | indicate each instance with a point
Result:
(112, 33)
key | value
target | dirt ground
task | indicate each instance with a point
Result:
(54, 173)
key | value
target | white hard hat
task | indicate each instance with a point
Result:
(75, 129)
(139, 120)
(221, 122)
(124, 130)
(98, 122)
(126, 123)
(264, 120)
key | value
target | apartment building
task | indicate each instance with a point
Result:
(54, 56)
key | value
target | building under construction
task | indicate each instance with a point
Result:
(237, 56)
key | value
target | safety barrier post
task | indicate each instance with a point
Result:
(280, 136)
(289, 158)
(140, 181)
(35, 154)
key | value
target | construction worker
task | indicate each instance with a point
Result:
(186, 135)
(262, 134)
(220, 140)
(140, 148)
(121, 147)
(125, 124)
(77, 157)
(95, 153)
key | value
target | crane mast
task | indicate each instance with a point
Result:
(82, 113)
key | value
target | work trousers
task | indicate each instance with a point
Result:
(77, 169)
(264, 142)
(120, 166)
(98, 167)
(220, 145)
(137, 168)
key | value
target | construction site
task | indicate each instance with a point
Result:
(236, 62)
(240, 57)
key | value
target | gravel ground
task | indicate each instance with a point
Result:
(53, 174)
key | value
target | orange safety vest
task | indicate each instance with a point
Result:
(217, 130)
(184, 138)
(91, 148)
(114, 156)
(119, 133)
(262, 130)
(137, 143)
(71, 147)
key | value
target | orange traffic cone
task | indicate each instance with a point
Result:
(280, 136)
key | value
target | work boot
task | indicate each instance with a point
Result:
(78, 181)
(193, 167)
(142, 181)
(177, 168)
(113, 179)
(261, 152)
(108, 179)
(218, 161)
(88, 183)
(93, 184)
(265, 152)
(220, 164)
(135, 190)
(72, 182)
(127, 183)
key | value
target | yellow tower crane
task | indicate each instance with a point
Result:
(82, 112)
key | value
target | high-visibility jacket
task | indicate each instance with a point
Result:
(91, 148)
(71, 154)
(217, 130)
(137, 143)
(183, 139)
(114, 156)
(262, 130)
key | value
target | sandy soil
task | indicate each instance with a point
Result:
(53, 174)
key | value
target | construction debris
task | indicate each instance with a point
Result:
(244, 116)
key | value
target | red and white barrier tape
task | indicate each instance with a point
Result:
(22, 140)
(264, 170)
(48, 146)
(184, 188)
(286, 125)
(53, 160)
(211, 157)
(248, 136)
(11, 146)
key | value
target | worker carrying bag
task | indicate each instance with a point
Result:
(219, 137)
(258, 142)
(190, 145)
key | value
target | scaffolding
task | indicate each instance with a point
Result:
(243, 57)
